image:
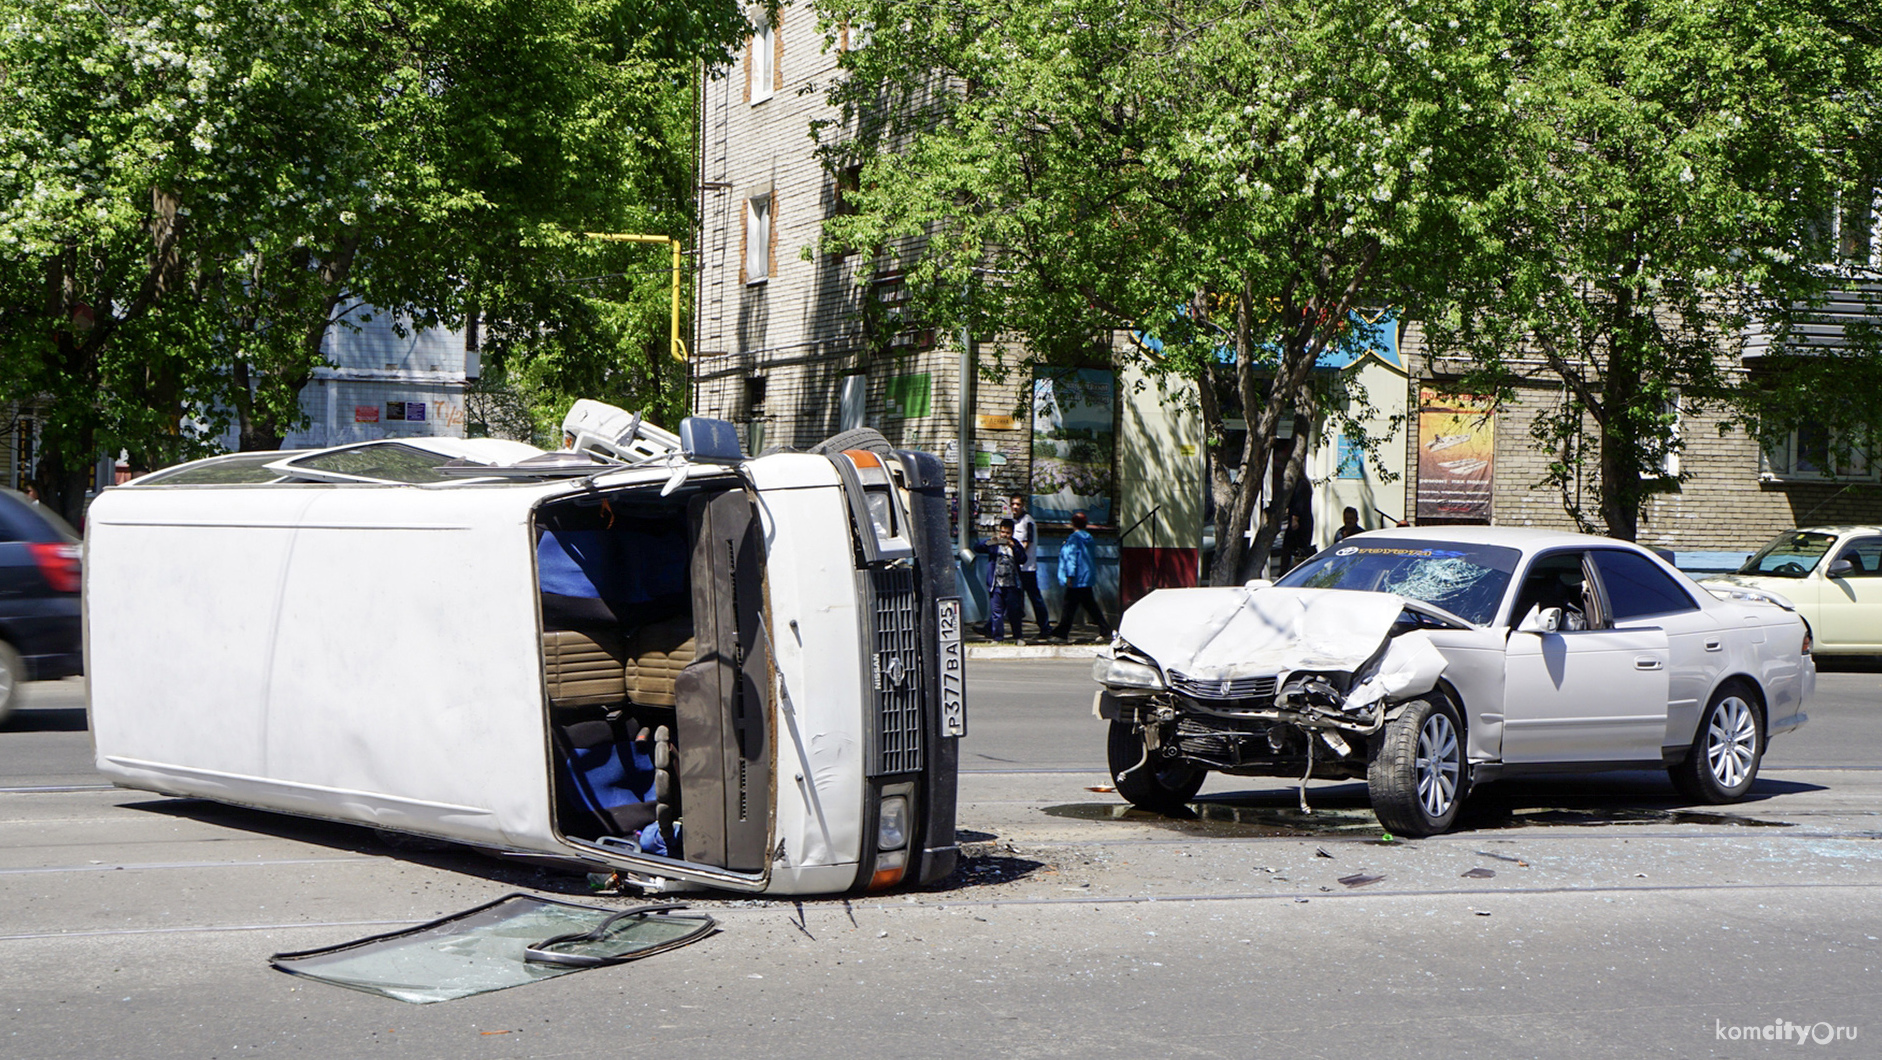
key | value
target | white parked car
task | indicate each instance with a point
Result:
(1426, 660)
(1832, 575)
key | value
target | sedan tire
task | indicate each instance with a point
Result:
(1164, 787)
(1416, 772)
(1726, 751)
(12, 672)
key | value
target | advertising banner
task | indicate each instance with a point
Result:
(1074, 444)
(1456, 457)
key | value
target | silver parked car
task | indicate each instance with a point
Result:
(1426, 660)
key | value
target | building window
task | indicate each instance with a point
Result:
(758, 234)
(1665, 469)
(761, 63)
(1813, 454)
(1854, 226)
(852, 402)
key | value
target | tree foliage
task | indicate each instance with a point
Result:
(1670, 167)
(1228, 178)
(193, 194)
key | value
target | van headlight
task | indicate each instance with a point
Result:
(1126, 673)
(892, 823)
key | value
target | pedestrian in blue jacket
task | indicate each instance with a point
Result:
(1077, 570)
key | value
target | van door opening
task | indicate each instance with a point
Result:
(656, 674)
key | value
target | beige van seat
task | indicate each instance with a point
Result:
(584, 668)
(656, 654)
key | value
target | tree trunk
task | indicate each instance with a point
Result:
(1234, 519)
(1620, 420)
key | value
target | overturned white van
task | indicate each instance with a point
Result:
(645, 652)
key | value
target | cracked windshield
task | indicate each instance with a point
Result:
(1466, 580)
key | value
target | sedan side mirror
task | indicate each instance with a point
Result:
(1541, 620)
(1841, 568)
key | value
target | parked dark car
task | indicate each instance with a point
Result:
(40, 636)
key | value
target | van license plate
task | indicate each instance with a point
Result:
(953, 668)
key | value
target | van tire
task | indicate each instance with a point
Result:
(858, 438)
(12, 675)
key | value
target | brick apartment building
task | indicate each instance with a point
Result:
(790, 347)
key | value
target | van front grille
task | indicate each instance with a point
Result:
(896, 663)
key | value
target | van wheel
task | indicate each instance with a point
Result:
(1415, 769)
(858, 438)
(1164, 787)
(12, 673)
(1726, 750)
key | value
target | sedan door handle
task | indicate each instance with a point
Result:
(1647, 662)
(1714, 645)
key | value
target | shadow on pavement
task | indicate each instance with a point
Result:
(536, 873)
(46, 719)
(1580, 800)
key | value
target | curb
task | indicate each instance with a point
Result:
(991, 650)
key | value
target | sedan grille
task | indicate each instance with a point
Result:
(1224, 690)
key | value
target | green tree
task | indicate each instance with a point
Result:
(1672, 165)
(1228, 178)
(192, 195)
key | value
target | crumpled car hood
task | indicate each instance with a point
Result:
(1226, 633)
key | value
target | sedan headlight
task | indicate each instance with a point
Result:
(1126, 673)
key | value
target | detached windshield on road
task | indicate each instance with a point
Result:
(1466, 580)
(1789, 555)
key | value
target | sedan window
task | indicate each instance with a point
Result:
(1466, 580)
(1789, 555)
(1636, 586)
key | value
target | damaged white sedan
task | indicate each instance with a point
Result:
(1428, 660)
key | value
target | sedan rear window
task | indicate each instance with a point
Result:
(1466, 580)
(1789, 555)
(1636, 587)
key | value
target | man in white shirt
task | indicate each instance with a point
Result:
(1026, 532)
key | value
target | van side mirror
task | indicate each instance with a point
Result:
(1253, 584)
(710, 441)
(1541, 620)
(1841, 568)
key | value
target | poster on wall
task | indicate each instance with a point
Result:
(1074, 444)
(1456, 456)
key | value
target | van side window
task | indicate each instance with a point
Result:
(1636, 586)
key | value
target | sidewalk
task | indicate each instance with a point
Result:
(1082, 646)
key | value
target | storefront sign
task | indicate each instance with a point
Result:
(1074, 444)
(1456, 457)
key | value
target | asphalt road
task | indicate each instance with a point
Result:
(1619, 922)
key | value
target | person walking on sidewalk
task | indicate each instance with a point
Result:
(1026, 532)
(1077, 570)
(1003, 591)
